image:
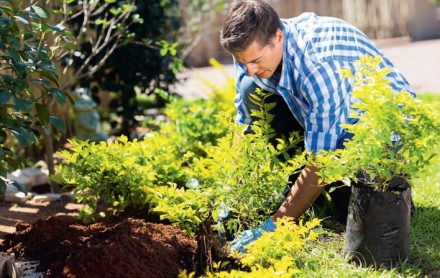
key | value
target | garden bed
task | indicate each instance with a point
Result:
(129, 247)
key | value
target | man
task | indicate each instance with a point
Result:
(297, 60)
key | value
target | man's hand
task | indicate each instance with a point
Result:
(251, 235)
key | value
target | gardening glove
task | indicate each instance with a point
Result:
(251, 235)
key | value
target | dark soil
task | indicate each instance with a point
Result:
(127, 247)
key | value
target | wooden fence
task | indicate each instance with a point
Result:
(377, 18)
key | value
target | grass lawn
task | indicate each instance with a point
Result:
(326, 260)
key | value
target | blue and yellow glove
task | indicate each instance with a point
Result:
(251, 235)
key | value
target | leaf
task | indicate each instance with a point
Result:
(47, 74)
(57, 123)
(23, 105)
(21, 19)
(24, 136)
(60, 96)
(3, 138)
(41, 81)
(43, 113)
(4, 97)
(15, 55)
(59, 29)
(163, 51)
(37, 12)
(5, 21)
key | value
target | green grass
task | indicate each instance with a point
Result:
(326, 259)
(425, 227)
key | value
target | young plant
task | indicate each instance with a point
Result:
(394, 136)
(187, 208)
(240, 181)
(113, 172)
(246, 171)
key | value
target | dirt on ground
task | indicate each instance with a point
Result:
(124, 248)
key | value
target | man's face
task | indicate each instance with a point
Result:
(262, 61)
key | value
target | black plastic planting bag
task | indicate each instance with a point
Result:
(378, 225)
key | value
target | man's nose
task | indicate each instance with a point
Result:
(252, 69)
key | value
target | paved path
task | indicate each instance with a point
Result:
(418, 61)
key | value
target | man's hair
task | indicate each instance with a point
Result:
(248, 21)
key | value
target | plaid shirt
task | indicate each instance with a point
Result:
(319, 98)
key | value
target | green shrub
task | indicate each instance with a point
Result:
(28, 80)
(241, 173)
(116, 172)
(382, 114)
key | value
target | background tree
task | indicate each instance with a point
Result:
(129, 49)
(119, 47)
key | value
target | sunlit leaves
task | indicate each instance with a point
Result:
(395, 134)
(276, 254)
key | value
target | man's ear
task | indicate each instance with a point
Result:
(279, 36)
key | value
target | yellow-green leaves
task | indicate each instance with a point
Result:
(395, 133)
(278, 253)
(138, 173)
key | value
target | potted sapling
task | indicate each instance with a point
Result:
(393, 140)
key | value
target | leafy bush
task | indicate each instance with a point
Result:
(197, 124)
(28, 80)
(187, 208)
(243, 175)
(383, 115)
(115, 171)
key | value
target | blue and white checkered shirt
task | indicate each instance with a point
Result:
(319, 98)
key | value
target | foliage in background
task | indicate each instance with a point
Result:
(383, 116)
(128, 49)
(145, 64)
(424, 242)
(197, 124)
(167, 153)
(28, 79)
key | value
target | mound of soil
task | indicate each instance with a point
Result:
(127, 248)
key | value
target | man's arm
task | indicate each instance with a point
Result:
(302, 194)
